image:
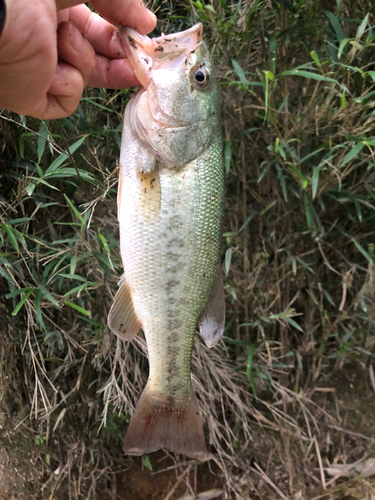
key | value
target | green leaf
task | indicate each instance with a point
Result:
(298, 172)
(227, 155)
(353, 152)
(362, 250)
(251, 216)
(315, 181)
(23, 300)
(19, 220)
(38, 309)
(282, 181)
(293, 323)
(11, 236)
(343, 100)
(307, 211)
(228, 260)
(91, 101)
(241, 74)
(30, 188)
(146, 462)
(335, 25)
(342, 46)
(77, 308)
(16, 292)
(64, 156)
(362, 27)
(42, 139)
(73, 263)
(249, 370)
(104, 242)
(308, 74)
(264, 172)
(269, 206)
(315, 57)
(73, 277)
(78, 289)
(79, 216)
(48, 295)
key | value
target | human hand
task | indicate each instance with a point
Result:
(50, 50)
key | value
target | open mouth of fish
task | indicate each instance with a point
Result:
(146, 55)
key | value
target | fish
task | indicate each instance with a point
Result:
(170, 211)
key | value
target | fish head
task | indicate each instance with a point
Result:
(175, 114)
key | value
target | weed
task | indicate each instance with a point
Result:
(286, 393)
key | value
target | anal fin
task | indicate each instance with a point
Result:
(122, 319)
(212, 319)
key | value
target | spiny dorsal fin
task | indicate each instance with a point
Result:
(122, 319)
(212, 319)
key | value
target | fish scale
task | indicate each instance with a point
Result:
(170, 214)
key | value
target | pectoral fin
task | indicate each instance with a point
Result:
(212, 319)
(149, 195)
(122, 319)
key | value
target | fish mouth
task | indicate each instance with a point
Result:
(144, 53)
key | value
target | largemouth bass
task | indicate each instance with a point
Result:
(170, 203)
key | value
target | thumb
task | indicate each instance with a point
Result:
(64, 4)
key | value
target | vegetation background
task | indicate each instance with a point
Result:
(288, 395)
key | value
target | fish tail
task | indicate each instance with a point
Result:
(164, 423)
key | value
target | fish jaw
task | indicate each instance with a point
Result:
(144, 52)
(174, 116)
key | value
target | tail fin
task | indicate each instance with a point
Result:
(162, 423)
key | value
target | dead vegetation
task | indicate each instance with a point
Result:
(288, 396)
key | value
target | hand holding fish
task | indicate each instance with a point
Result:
(51, 50)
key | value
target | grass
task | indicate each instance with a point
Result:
(289, 392)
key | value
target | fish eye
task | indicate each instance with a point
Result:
(201, 77)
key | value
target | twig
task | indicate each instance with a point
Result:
(268, 481)
(177, 483)
(322, 477)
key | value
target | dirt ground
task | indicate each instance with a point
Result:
(345, 439)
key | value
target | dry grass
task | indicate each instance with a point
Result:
(288, 395)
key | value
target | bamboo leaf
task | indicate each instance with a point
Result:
(64, 156)
(78, 215)
(293, 323)
(77, 308)
(362, 27)
(11, 236)
(282, 181)
(353, 152)
(42, 139)
(228, 260)
(362, 250)
(227, 155)
(23, 300)
(240, 73)
(315, 181)
(249, 369)
(308, 74)
(335, 25)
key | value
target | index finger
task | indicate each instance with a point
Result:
(131, 13)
